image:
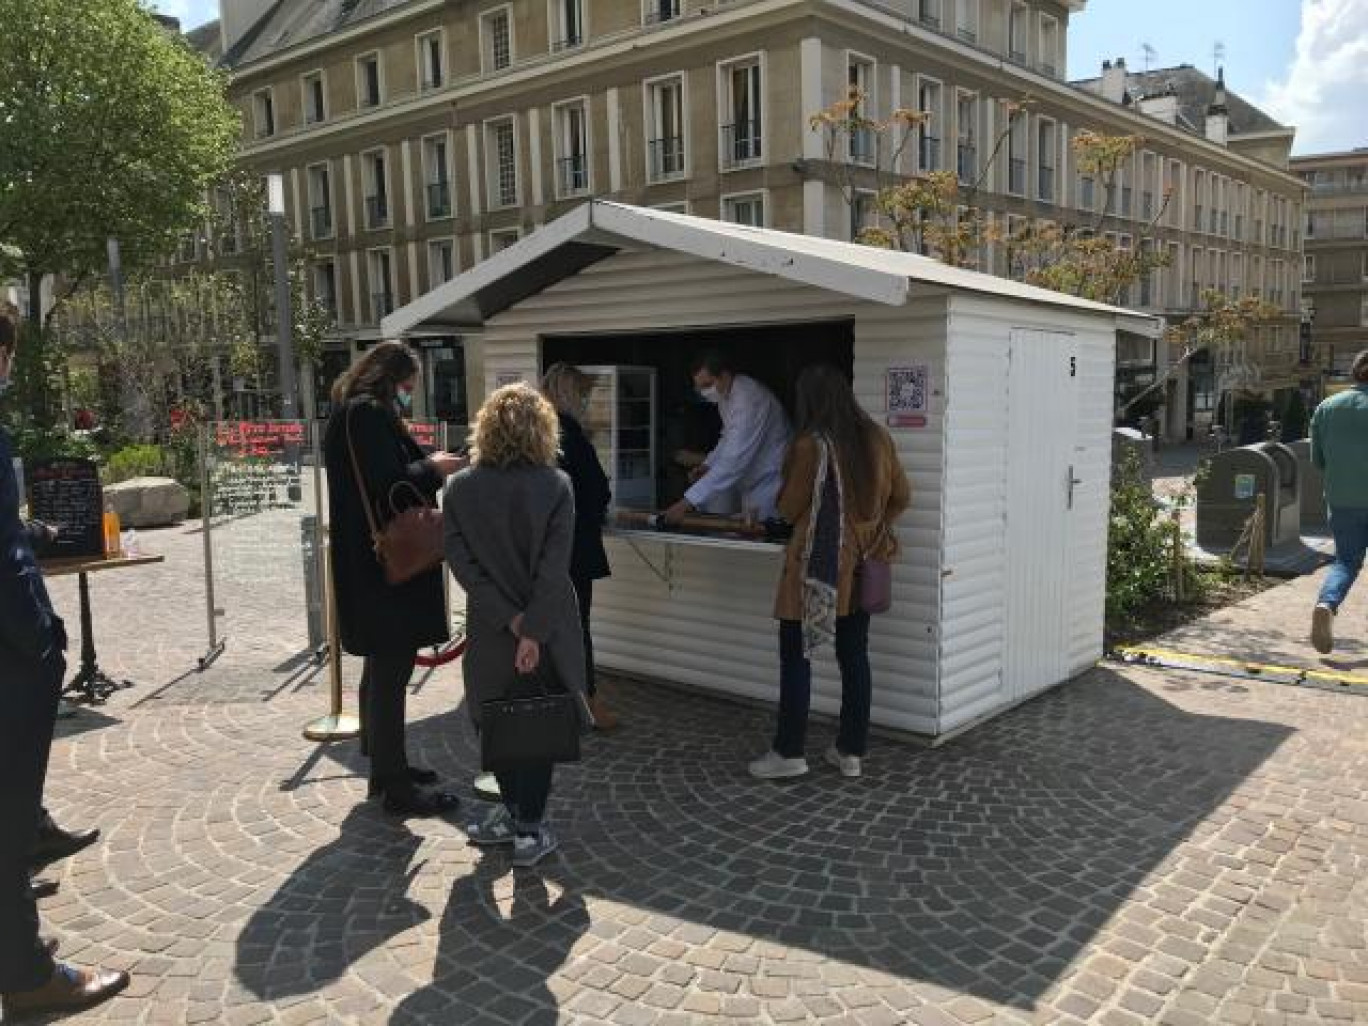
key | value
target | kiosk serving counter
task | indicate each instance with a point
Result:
(998, 396)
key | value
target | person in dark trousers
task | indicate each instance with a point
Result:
(1339, 447)
(383, 623)
(32, 652)
(510, 525)
(843, 489)
(567, 388)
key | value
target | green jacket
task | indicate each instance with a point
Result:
(1339, 446)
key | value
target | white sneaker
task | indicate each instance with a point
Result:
(773, 766)
(849, 765)
(1323, 628)
(528, 851)
(496, 828)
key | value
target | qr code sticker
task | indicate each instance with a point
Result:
(907, 390)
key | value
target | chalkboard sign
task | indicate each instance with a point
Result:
(66, 494)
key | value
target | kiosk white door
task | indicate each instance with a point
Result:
(1043, 421)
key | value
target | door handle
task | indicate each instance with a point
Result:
(1072, 482)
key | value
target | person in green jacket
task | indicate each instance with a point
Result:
(1339, 447)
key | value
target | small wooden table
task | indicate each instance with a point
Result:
(91, 683)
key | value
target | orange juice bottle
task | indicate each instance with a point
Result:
(111, 531)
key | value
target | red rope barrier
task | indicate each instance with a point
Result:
(452, 651)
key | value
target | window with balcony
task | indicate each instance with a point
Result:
(325, 286)
(929, 12)
(1047, 150)
(572, 149)
(375, 173)
(263, 113)
(501, 238)
(665, 129)
(967, 20)
(966, 142)
(320, 201)
(437, 177)
(496, 36)
(860, 83)
(431, 61)
(742, 97)
(379, 267)
(567, 21)
(314, 97)
(1016, 156)
(1018, 28)
(369, 86)
(928, 132)
(653, 12)
(1049, 46)
(441, 262)
(1308, 268)
(501, 148)
(747, 209)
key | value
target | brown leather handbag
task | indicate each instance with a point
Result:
(411, 543)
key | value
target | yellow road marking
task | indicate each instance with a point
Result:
(1251, 668)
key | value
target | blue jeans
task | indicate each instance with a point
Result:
(795, 686)
(1350, 529)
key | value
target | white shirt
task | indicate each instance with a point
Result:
(749, 457)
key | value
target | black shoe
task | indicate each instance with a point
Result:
(407, 800)
(55, 844)
(416, 775)
(42, 889)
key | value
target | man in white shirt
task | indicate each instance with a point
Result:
(742, 473)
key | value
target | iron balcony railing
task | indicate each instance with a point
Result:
(572, 175)
(377, 211)
(321, 218)
(740, 144)
(439, 199)
(666, 157)
(569, 42)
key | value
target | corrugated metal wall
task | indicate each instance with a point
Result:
(710, 624)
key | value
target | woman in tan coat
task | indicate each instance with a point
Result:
(843, 489)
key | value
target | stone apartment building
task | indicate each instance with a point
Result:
(1335, 275)
(419, 136)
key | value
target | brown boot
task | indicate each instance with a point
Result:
(68, 990)
(604, 718)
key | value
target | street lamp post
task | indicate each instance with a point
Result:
(275, 205)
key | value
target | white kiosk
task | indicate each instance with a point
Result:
(998, 394)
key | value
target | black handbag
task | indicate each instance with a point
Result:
(538, 721)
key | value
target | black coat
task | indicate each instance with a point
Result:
(588, 561)
(375, 617)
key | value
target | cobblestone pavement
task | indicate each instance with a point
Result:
(1134, 847)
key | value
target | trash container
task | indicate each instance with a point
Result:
(312, 554)
(1228, 494)
(1314, 514)
(1286, 517)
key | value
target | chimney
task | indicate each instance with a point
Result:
(1218, 114)
(1161, 106)
(1114, 80)
(238, 17)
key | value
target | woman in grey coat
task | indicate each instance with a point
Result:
(510, 521)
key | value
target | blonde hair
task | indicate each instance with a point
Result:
(515, 427)
(565, 385)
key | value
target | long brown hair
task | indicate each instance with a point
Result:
(826, 406)
(378, 373)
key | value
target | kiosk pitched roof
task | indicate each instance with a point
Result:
(600, 228)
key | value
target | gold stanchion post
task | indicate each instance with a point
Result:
(336, 725)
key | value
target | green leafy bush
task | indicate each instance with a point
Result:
(33, 443)
(135, 461)
(1141, 538)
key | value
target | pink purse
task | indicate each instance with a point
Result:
(874, 580)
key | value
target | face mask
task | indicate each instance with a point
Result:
(710, 394)
(405, 400)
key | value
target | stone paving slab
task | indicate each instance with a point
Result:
(1134, 847)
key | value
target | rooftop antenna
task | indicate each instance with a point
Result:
(1218, 52)
(1150, 54)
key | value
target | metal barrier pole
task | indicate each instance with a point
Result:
(216, 645)
(336, 725)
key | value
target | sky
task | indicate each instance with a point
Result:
(1303, 61)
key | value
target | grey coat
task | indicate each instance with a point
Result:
(508, 539)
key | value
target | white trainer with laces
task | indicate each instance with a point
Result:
(529, 850)
(495, 829)
(849, 765)
(773, 766)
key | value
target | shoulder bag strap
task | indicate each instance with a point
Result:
(360, 481)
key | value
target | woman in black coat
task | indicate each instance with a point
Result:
(568, 388)
(385, 624)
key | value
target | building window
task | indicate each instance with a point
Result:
(966, 143)
(263, 113)
(368, 84)
(655, 11)
(929, 12)
(325, 286)
(681, 207)
(1363, 311)
(441, 262)
(378, 264)
(431, 62)
(437, 177)
(572, 149)
(320, 201)
(742, 93)
(1018, 26)
(1308, 268)
(1049, 46)
(665, 129)
(967, 20)
(567, 19)
(928, 132)
(315, 98)
(1363, 271)
(1087, 193)
(1046, 152)
(502, 238)
(864, 212)
(860, 84)
(1016, 156)
(496, 33)
(501, 145)
(748, 209)
(376, 175)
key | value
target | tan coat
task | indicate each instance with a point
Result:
(873, 538)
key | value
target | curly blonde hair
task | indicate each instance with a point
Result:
(516, 427)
